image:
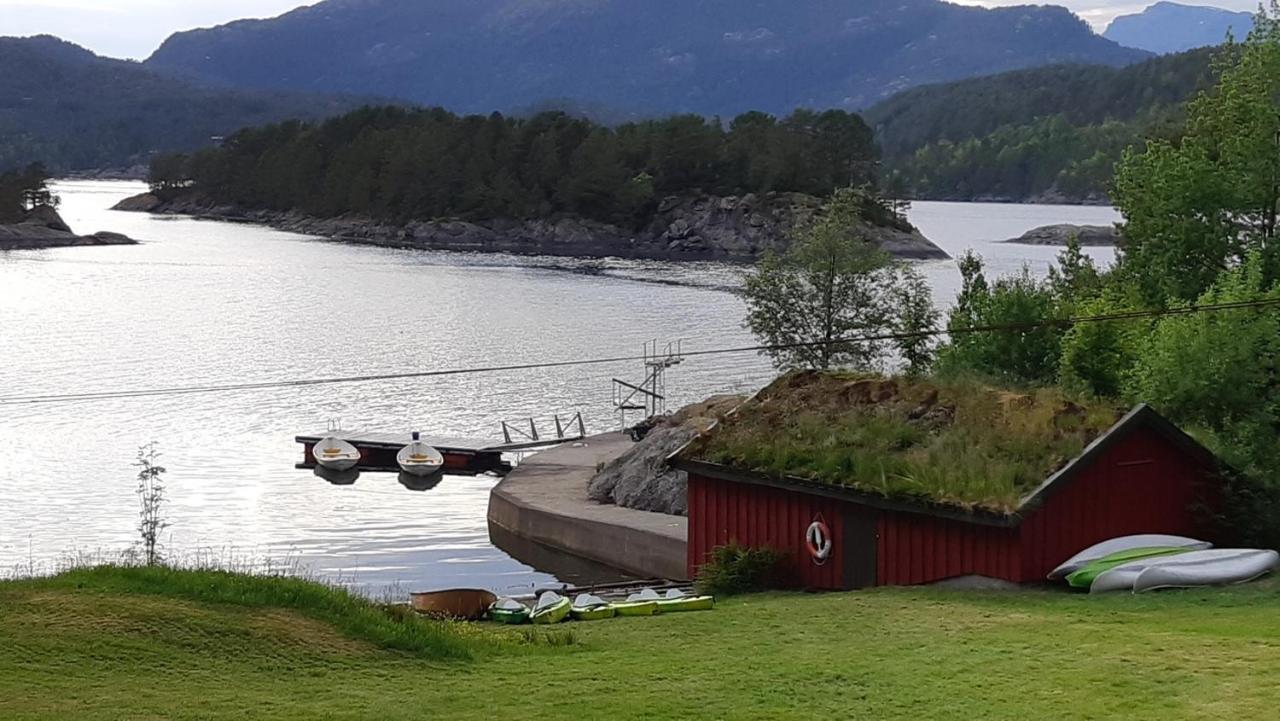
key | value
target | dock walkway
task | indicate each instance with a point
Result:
(544, 500)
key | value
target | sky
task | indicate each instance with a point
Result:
(134, 28)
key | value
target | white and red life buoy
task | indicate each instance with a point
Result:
(818, 541)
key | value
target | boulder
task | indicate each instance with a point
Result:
(144, 203)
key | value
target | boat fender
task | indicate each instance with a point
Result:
(818, 541)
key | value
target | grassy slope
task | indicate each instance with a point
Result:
(89, 653)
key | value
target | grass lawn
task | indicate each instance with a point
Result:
(88, 646)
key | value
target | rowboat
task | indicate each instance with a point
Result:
(509, 611)
(676, 601)
(464, 603)
(551, 608)
(587, 607)
(1242, 568)
(420, 459)
(1227, 564)
(1085, 577)
(1124, 543)
(335, 454)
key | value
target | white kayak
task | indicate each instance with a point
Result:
(420, 459)
(1124, 543)
(1123, 577)
(1242, 568)
(335, 454)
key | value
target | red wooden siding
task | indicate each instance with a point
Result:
(721, 512)
(1142, 484)
(915, 548)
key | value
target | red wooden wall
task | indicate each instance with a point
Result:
(721, 512)
(1143, 483)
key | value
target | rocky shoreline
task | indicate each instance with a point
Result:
(44, 228)
(685, 228)
(1089, 236)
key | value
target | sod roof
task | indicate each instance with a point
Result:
(955, 443)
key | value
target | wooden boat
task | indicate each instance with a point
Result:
(587, 607)
(335, 454)
(1124, 543)
(1243, 567)
(676, 601)
(551, 608)
(420, 459)
(1085, 577)
(465, 603)
(509, 611)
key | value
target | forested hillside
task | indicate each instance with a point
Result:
(711, 57)
(1051, 133)
(70, 109)
(396, 164)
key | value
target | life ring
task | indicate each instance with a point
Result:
(818, 541)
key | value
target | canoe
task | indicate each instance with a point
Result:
(335, 454)
(636, 608)
(509, 611)
(1242, 568)
(591, 608)
(420, 459)
(1085, 577)
(1124, 577)
(464, 603)
(551, 608)
(1124, 543)
(676, 601)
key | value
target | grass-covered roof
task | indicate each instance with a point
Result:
(957, 443)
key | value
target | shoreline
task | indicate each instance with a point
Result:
(702, 228)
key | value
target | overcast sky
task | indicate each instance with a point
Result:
(134, 28)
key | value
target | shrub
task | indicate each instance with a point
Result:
(735, 569)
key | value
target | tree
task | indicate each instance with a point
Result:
(1198, 206)
(23, 190)
(917, 318)
(831, 286)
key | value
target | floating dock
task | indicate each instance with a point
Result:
(462, 456)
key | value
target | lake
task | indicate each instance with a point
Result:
(203, 302)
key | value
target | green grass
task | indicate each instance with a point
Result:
(955, 442)
(74, 648)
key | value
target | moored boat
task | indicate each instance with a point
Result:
(676, 601)
(464, 603)
(1099, 551)
(335, 454)
(1241, 568)
(509, 611)
(420, 459)
(551, 608)
(587, 607)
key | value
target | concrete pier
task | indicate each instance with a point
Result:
(544, 500)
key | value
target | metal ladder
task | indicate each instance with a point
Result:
(650, 395)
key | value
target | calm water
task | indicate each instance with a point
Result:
(211, 303)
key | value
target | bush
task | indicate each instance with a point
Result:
(735, 569)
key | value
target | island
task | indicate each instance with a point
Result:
(42, 227)
(1095, 236)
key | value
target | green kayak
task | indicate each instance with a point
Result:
(551, 608)
(509, 611)
(675, 602)
(591, 608)
(1084, 577)
(636, 608)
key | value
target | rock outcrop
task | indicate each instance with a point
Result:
(44, 228)
(641, 478)
(1087, 235)
(699, 227)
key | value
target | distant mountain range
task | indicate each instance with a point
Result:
(1170, 27)
(652, 56)
(70, 109)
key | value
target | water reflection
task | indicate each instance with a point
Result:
(338, 478)
(420, 484)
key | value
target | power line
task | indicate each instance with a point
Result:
(875, 338)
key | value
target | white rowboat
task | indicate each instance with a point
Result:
(336, 454)
(419, 459)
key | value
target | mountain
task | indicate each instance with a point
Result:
(647, 56)
(1170, 27)
(70, 109)
(1051, 133)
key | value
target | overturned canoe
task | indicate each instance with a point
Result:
(1085, 577)
(1123, 577)
(1240, 568)
(1119, 545)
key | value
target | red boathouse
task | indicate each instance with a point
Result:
(1144, 475)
